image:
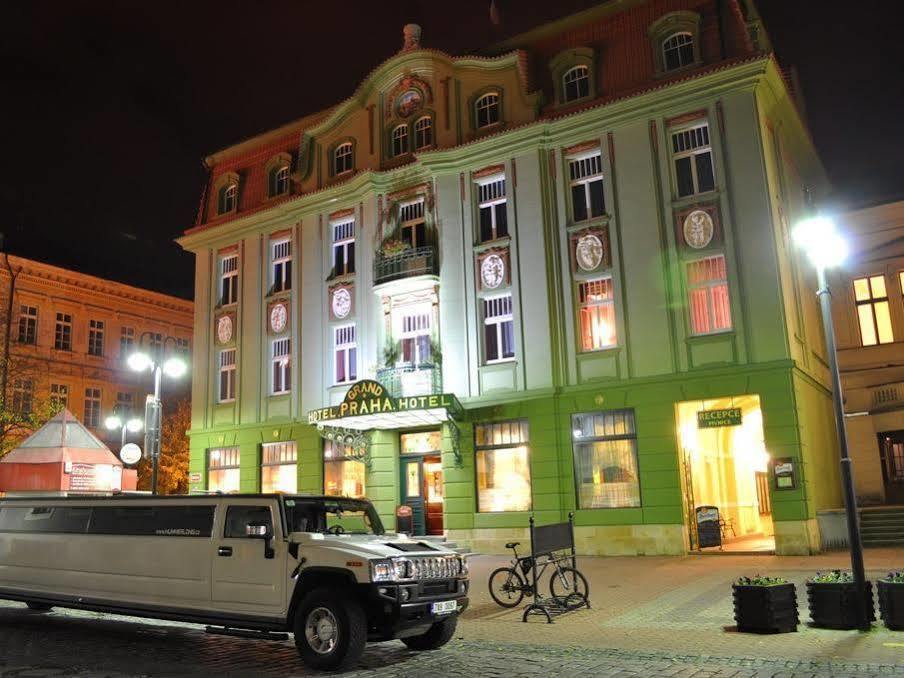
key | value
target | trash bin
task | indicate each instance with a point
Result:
(708, 531)
(404, 519)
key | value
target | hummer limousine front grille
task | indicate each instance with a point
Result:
(443, 567)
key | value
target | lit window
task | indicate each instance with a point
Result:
(400, 140)
(678, 51)
(62, 339)
(223, 470)
(96, 337)
(499, 329)
(413, 225)
(343, 473)
(281, 253)
(586, 177)
(873, 311)
(605, 459)
(92, 407)
(279, 468)
(576, 83)
(423, 133)
(503, 467)
(229, 279)
(342, 158)
(597, 308)
(492, 208)
(226, 198)
(278, 180)
(486, 110)
(28, 325)
(227, 375)
(126, 341)
(693, 157)
(707, 284)
(415, 337)
(343, 247)
(346, 353)
(59, 396)
(23, 396)
(282, 367)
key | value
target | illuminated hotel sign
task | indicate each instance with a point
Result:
(370, 397)
(717, 418)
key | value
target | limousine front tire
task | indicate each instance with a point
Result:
(436, 636)
(330, 630)
(39, 607)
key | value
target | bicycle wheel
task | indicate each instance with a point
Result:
(569, 585)
(506, 587)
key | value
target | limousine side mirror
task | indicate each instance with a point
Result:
(262, 531)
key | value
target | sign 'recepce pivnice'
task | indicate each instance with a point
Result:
(716, 418)
(371, 397)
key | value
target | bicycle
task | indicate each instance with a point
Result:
(567, 584)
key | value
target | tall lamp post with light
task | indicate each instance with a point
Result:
(154, 358)
(825, 248)
(114, 422)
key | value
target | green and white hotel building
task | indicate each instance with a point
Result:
(552, 277)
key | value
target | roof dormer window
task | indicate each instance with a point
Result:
(678, 51)
(343, 158)
(576, 83)
(675, 40)
(423, 133)
(400, 140)
(486, 110)
(227, 198)
(278, 180)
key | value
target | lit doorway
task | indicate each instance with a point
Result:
(725, 464)
(421, 480)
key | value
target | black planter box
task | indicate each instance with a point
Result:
(834, 606)
(891, 604)
(765, 609)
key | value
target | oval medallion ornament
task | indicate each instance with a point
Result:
(279, 316)
(492, 271)
(408, 103)
(589, 252)
(698, 229)
(342, 302)
(224, 329)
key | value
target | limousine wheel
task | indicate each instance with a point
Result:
(39, 607)
(437, 635)
(330, 630)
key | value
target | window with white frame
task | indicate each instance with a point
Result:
(707, 287)
(585, 173)
(28, 324)
(345, 351)
(416, 331)
(693, 160)
(486, 110)
(92, 407)
(873, 312)
(227, 375)
(23, 396)
(126, 341)
(229, 279)
(62, 338)
(343, 247)
(223, 470)
(498, 329)
(281, 381)
(678, 51)
(279, 468)
(605, 459)
(59, 396)
(576, 83)
(343, 160)
(413, 224)
(281, 264)
(400, 140)
(597, 310)
(501, 452)
(279, 180)
(423, 132)
(491, 202)
(343, 472)
(226, 202)
(96, 337)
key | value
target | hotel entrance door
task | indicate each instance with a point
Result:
(421, 481)
(891, 453)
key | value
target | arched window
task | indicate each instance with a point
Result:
(400, 140)
(423, 133)
(279, 180)
(678, 51)
(576, 83)
(226, 202)
(486, 110)
(342, 158)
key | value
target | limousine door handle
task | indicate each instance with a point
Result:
(224, 551)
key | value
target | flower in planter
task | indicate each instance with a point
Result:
(894, 577)
(759, 580)
(833, 577)
(393, 247)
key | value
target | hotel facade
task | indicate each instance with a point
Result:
(553, 277)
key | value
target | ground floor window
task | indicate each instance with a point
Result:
(223, 469)
(343, 475)
(605, 459)
(279, 468)
(503, 467)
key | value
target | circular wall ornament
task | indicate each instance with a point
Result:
(342, 302)
(408, 102)
(130, 454)
(492, 271)
(279, 317)
(224, 329)
(698, 229)
(589, 252)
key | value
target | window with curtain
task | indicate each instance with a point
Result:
(343, 247)
(605, 459)
(223, 470)
(346, 353)
(279, 468)
(503, 466)
(597, 309)
(343, 474)
(491, 205)
(709, 302)
(499, 329)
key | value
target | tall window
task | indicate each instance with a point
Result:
(576, 83)
(62, 335)
(96, 337)
(486, 110)
(597, 308)
(413, 223)
(23, 396)
(498, 329)
(423, 133)
(125, 404)
(503, 467)
(279, 468)
(343, 474)
(344, 247)
(92, 407)
(59, 396)
(345, 350)
(400, 140)
(678, 51)
(693, 158)
(223, 470)
(229, 279)
(281, 266)
(707, 285)
(28, 325)
(873, 311)
(227, 375)
(183, 346)
(226, 202)
(282, 368)
(126, 341)
(605, 459)
(586, 176)
(343, 160)
(415, 337)
(278, 181)
(492, 206)
(155, 341)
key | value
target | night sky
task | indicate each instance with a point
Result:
(109, 107)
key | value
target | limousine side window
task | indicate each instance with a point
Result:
(166, 521)
(61, 519)
(239, 517)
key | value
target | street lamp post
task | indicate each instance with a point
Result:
(114, 422)
(825, 248)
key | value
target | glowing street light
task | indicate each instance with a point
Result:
(115, 423)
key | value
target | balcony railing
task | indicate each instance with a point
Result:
(407, 264)
(411, 380)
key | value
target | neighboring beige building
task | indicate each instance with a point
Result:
(868, 309)
(70, 334)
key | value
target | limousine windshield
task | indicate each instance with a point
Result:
(336, 516)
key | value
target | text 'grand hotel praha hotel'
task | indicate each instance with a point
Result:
(552, 277)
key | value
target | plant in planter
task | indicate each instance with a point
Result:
(891, 600)
(393, 246)
(765, 605)
(833, 603)
(391, 352)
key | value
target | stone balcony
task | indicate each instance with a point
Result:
(411, 380)
(410, 263)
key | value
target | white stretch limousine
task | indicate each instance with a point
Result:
(320, 567)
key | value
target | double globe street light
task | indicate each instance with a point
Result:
(115, 423)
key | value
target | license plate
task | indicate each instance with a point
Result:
(445, 606)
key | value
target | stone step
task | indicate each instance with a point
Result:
(883, 542)
(883, 523)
